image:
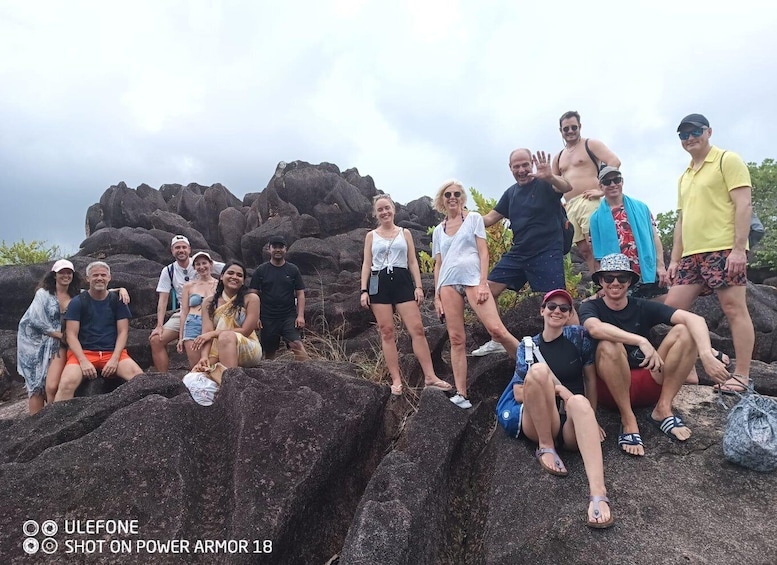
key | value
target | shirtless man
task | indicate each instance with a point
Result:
(579, 163)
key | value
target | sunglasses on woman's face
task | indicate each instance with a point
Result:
(563, 307)
(449, 194)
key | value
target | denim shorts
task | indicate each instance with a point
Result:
(193, 327)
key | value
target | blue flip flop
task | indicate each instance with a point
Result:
(668, 424)
(630, 439)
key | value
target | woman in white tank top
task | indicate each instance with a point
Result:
(391, 278)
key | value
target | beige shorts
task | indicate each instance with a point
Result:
(579, 211)
(174, 323)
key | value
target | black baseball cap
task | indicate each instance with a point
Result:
(695, 120)
(279, 239)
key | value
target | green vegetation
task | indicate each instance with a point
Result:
(665, 222)
(764, 177)
(23, 253)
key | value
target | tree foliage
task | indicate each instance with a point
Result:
(764, 178)
(23, 253)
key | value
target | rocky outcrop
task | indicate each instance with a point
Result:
(282, 455)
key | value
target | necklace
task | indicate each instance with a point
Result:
(445, 222)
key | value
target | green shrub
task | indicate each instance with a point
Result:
(23, 253)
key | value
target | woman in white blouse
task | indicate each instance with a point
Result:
(461, 270)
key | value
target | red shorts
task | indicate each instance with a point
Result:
(644, 390)
(97, 358)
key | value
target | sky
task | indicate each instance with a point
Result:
(411, 92)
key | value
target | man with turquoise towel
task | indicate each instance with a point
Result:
(625, 225)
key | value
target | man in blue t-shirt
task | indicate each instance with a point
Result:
(622, 327)
(97, 328)
(282, 308)
(533, 207)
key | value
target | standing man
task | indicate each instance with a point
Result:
(579, 163)
(533, 207)
(710, 237)
(282, 293)
(622, 224)
(621, 325)
(171, 281)
(97, 328)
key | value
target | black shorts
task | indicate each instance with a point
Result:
(395, 287)
(275, 329)
(647, 290)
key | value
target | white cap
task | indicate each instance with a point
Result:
(62, 264)
(180, 238)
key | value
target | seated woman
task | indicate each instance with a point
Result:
(229, 319)
(568, 421)
(194, 293)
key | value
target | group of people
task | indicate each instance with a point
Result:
(69, 334)
(608, 343)
(601, 356)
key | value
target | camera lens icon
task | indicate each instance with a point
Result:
(30, 546)
(49, 528)
(49, 546)
(30, 528)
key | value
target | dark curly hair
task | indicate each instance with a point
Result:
(239, 301)
(49, 283)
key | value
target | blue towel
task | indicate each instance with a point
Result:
(604, 238)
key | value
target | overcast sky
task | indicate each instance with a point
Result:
(409, 92)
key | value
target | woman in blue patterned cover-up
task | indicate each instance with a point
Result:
(558, 400)
(40, 353)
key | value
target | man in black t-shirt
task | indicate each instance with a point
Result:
(282, 294)
(533, 207)
(622, 326)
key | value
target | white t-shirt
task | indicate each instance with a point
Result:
(181, 276)
(395, 248)
(459, 252)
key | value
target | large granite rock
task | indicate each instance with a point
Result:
(282, 455)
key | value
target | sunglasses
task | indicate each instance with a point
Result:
(684, 135)
(566, 129)
(613, 180)
(563, 307)
(623, 278)
(186, 275)
(449, 194)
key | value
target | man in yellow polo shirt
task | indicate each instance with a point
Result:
(710, 238)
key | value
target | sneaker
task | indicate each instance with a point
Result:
(460, 401)
(488, 348)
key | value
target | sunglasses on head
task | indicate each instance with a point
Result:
(455, 193)
(566, 129)
(684, 135)
(608, 182)
(623, 278)
(563, 307)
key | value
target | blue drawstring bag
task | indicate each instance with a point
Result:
(750, 439)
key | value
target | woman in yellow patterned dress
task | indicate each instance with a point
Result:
(229, 319)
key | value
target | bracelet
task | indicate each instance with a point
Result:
(420, 287)
(365, 290)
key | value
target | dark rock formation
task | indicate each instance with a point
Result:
(282, 455)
